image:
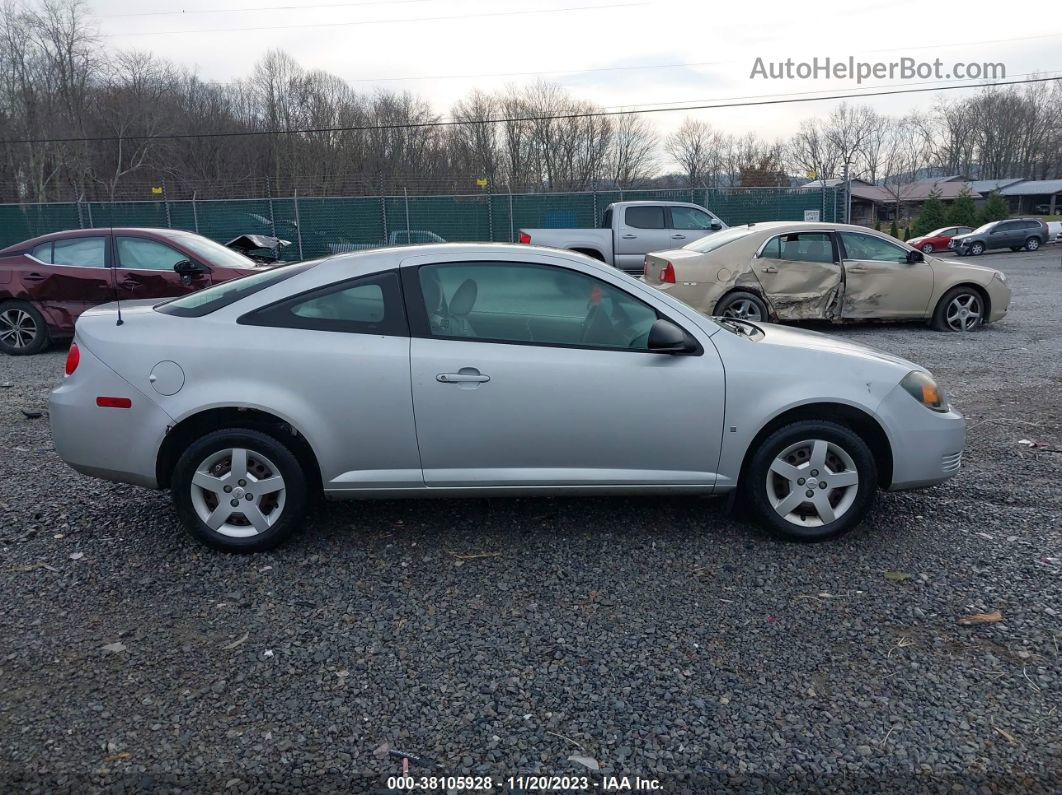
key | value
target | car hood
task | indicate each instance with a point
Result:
(802, 339)
(977, 273)
(967, 236)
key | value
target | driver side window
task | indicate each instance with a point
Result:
(143, 254)
(531, 304)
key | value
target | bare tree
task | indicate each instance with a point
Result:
(633, 153)
(695, 146)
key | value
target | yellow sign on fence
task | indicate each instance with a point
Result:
(157, 191)
(481, 182)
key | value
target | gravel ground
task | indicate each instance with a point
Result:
(658, 636)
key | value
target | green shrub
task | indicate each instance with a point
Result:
(995, 209)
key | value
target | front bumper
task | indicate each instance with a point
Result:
(927, 445)
(109, 443)
(998, 300)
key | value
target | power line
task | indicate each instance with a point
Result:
(185, 12)
(954, 82)
(785, 100)
(406, 20)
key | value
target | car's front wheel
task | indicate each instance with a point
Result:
(1032, 244)
(810, 481)
(977, 249)
(239, 490)
(927, 248)
(961, 309)
(743, 306)
(23, 330)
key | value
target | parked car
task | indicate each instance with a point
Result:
(400, 237)
(1054, 231)
(1015, 234)
(937, 240)
(1046, 209)
(630, 230)
(46, 282)
(529, 371)
(803, 271)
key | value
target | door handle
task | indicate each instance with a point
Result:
(630, 237)
(769, 269)
(856, 270)
(34, 277)
(678, 237)
(474, 377)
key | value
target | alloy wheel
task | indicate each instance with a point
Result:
(812, 483)
(17, 328)
(743, 309)
(964, 312)
(238, 492)
(1032, 244)
(927, 248)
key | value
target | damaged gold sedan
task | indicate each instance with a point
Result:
(788, 270)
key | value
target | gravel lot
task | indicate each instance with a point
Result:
(658, 636)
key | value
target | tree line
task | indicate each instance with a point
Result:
(57, 80)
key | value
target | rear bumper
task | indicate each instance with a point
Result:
(111, 443)
(927, 445)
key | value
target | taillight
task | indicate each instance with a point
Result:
(524, 238)
(667, 273)
(645, 268)
(73, 358)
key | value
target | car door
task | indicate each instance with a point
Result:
(690, 223)
(528, 373)
(68, 274)
(145, 269)
(639, 230)
(880, 282)
(801, 274)
(1003, 235)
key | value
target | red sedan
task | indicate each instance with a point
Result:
(46, 282)
(937, 240)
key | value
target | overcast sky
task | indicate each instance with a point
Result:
(703, 50)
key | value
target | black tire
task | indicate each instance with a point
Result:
(1032, 244)
(939, 321)
(755, 488)
(16, 318)
(1015, 248)
(741, 298)
(257, 444)
(977, 249)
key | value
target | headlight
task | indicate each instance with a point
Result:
(924, 389)
(1001, 276)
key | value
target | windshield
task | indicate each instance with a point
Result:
(712, 242)
(211, 299)
(213, 253)
(983, 228)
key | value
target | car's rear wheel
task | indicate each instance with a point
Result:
(1032, 244)
(927, 248)
(743, 306)
(977, 249)
(23, 330)
(810, 481)
(239, 490)
(961, 309)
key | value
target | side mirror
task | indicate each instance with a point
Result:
(716, 224)
(666, 337)
(915, 256)
(186, 267)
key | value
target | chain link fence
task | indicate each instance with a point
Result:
(319, 226)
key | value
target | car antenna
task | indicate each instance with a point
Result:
(114, 282)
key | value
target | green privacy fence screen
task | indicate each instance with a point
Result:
(319, 226)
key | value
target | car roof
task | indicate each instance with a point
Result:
(98, 230)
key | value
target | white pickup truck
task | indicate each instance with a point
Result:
(630, 230)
